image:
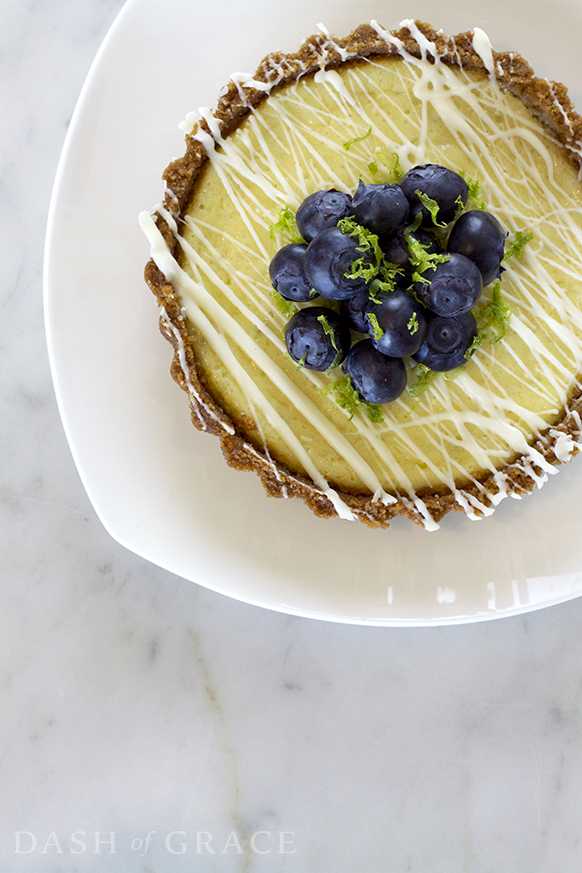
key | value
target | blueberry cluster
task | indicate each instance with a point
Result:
(401, 276)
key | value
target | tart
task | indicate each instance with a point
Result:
(337, 112)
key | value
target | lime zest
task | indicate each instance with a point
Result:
(412, 324)
(494, 316)
(286, 307)
(376, 329)
(385, 281)
(381, 274)
(330, 332)
(366, 239)
(367, 244)
(379, 289)
(451, 375)
(479, 337)
(347, 145)
(396, 171)
(374, 288)
(420, 259)
(389, 273)
(460, 207)
(418, 277)
(415, 224)
(285, 225)
(432, 207)
(328, 329)
(300, 364)
(424, 378)
(362, 269)
(348, 398)
(473, 194)
(516, 248)
(391, 164)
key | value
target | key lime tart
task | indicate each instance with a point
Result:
(368, 263)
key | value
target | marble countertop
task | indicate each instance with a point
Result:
(148, 724)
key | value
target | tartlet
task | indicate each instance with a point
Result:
(337, 111)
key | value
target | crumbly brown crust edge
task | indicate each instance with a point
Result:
(548, 101)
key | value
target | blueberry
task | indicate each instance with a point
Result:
(446, 342)
(354, 311)
(479, 236)
(442, 185)
(401, 323)
(454, 286)
(382, 208)
(316, 337)
(321, 210)
(376, 377)
(287, 274)
(395, 247)
(327, 260)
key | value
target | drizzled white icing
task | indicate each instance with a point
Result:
(482, 47)
(294, 144)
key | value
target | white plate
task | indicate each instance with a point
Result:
(160, 487)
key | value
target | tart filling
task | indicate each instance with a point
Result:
(338, 112)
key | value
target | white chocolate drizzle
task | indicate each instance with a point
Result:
(474, 416)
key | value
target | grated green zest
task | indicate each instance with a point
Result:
(348, 398)
(376, 329)
(473, 194)
(391, 164)
(432, 206)
(347, 145)
(419, 257)
(385, 282)
(451, 375)
(412, 324)
(479, 337)
(362, 269)
(460, 208)
(367, 242)
(330, 332)
(424, 378)
(300, 364)
(418, 277)
(494, 315)
(518, 245)
(285, 225)
(285, 306)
